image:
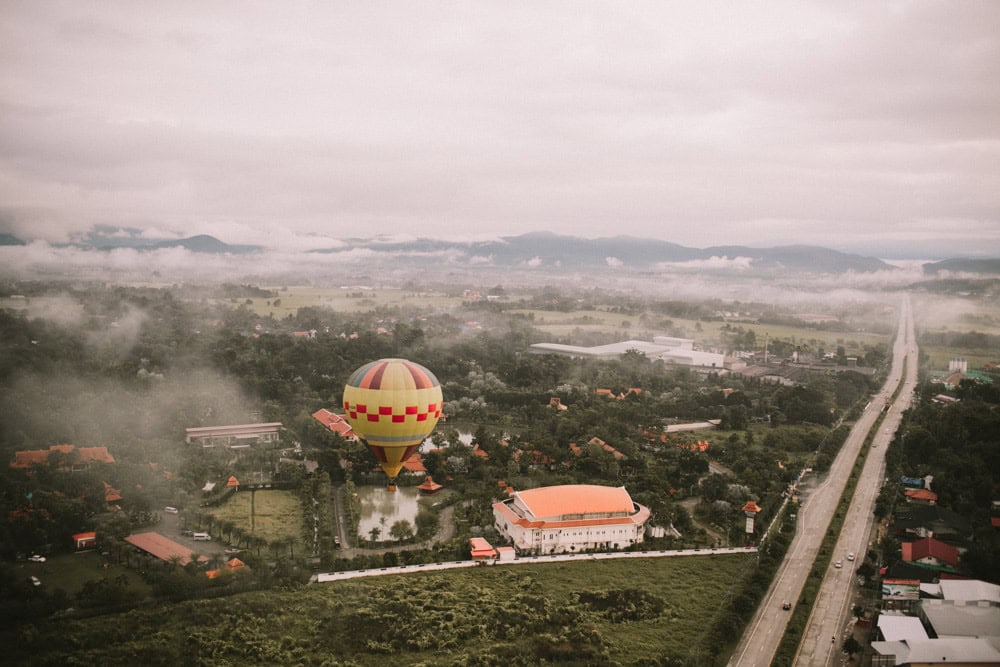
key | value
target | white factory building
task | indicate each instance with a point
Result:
(666, 348)
(570, 518)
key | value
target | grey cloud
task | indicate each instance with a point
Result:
(701, 124)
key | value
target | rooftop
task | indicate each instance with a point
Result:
(162, 547)
(575, 499)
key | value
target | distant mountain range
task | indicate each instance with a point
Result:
(570, 252)
(964, 266)
(554, 251)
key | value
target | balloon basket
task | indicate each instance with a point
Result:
(391, 488)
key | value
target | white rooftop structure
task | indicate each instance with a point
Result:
(671, 350)
(970, 590)
(971, 620)
(962, 650)
(896, 627)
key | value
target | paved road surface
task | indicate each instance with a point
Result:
(764, 633)
(828, 624)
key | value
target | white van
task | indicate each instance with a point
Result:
(170, 510)
(201, 537)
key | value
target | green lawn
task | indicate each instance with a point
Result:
(71, 571)
(277, 515)
(345, 300)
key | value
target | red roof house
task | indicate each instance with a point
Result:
(481, 549)
(921, 495)
(162, 547)
(930, 553)
(334, 422)
(415, 464)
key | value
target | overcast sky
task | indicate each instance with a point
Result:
(863, 126)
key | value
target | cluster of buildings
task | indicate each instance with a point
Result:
(952, 622)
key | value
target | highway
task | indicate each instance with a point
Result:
(831, 609)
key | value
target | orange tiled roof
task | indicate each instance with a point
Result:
(26, 459)
(414, 464)
(921, 494)
(111, 494)
(635, 517)
(429, 485)
(334, 422)
(481, 548)
(555, 501)
(162, 547)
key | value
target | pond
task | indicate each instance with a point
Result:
(428, 445)
(381, 508)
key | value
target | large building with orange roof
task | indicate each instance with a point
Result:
(76, 458)
(570, 518)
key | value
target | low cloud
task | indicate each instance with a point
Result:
(714, 263)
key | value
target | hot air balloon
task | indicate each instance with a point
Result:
(392, 405)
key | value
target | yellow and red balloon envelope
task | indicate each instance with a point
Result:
(393, 405)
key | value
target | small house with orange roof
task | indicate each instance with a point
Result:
(415, 465)
(111, 494)
(480, 452)
(429, 487)
(232, 565)
(334, 422)
(86, 540)
(481, 549)
(606, 447)
(925, 496)
(570, 518)
(232, 481)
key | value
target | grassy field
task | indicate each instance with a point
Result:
(493, 613)
(347, 300)
(940, 356)
(277, 515)
(71, 571)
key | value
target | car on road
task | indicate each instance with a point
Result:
(37, 559)
(34, 580)
(838, 565)
(850, 555)
(786, 605)
(170, 510)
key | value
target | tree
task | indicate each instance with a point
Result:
(851, 646)
(401, 530)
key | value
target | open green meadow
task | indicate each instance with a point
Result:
(70, 572)
(345, 300)
(277, 515)
(622, 611)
